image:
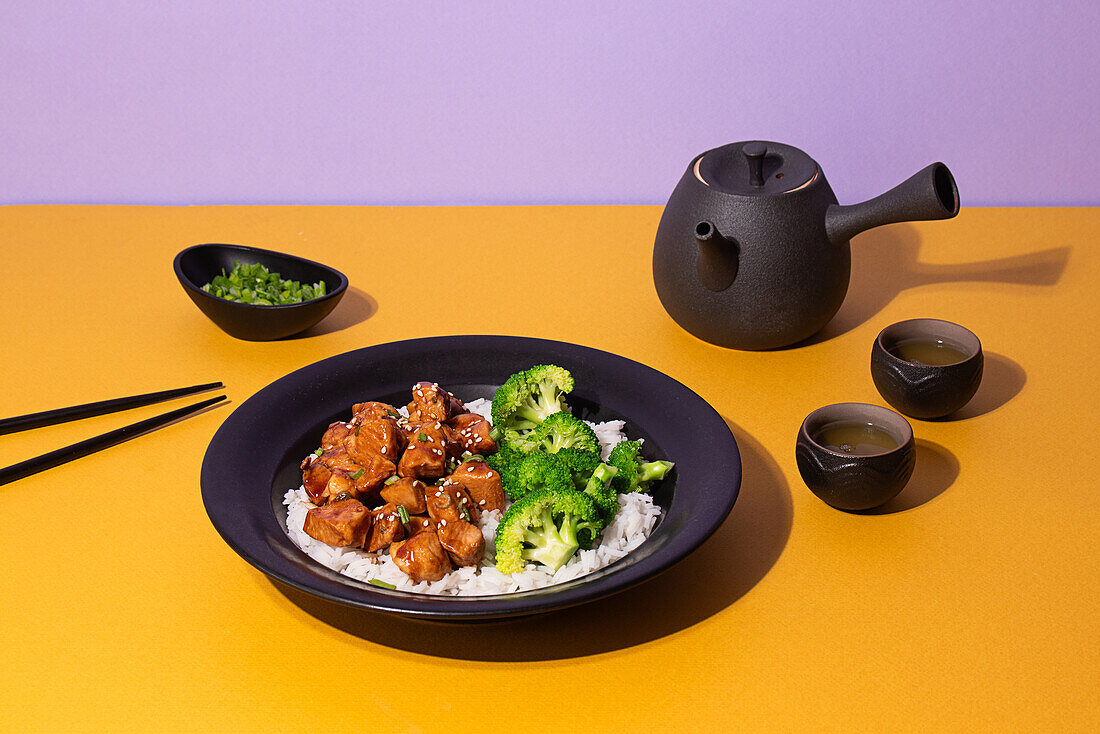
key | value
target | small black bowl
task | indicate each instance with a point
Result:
(933, 388)
(197, 266)
(849, 479)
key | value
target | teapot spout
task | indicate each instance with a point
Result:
(718, 257)
(929, 194)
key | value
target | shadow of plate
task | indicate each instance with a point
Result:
(725, 568)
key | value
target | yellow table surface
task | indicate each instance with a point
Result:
(969, 604)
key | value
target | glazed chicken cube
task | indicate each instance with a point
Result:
(371, 477)
(421, 557)
(386, 527)
(449, 502)
(463, 542)
(315, 477)
(432, 403)
(341, 524)
(337, 458)
(451, 445)
(408, 493)
(425, 455)
(471, 431)
(419, 524)
(482, 483)
(334, 472)
(378, 436)
(335, 435)
(363, 412)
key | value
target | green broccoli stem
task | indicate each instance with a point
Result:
(653, 470)
(551, 396)
(601, 477)
(532, 415)
(552, 546)
(525, 418)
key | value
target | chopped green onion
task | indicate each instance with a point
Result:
(318, 452)
(358, 474)
(422, 436)
(392, 478)
(464, 512)
(357, 429)
(383, 584)
(494, 433)
(403, 513)
(392, 414)
(256, 285)
(475, 457)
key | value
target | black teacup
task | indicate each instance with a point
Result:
(927, 368)
(855, 456)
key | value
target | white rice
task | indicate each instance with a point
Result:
(637, 517)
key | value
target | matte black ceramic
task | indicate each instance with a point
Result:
(197, 266)
(849, 482)
(921, 390)
(253, 460)
(752, 249)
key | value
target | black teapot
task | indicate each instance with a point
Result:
(752, 248)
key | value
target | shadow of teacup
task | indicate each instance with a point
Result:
(936, 470)
(1002, 380)
(725, 568)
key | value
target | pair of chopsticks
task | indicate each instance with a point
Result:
(106, 440)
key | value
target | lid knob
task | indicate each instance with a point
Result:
(754, 153)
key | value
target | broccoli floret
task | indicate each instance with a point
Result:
(507, 403)
(634, 473)
(504, 463)
(523, 442)
(599, 488)
(564, 430)
(527, 398)
(545, 526)
(540, 471)
(503, 456)
(580, 463)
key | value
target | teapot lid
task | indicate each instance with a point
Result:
(755, 168)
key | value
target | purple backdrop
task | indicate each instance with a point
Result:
(550, 102)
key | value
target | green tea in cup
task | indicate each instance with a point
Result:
(857, 438)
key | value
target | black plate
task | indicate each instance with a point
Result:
(253, 460)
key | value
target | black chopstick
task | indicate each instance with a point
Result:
(98, 443)
(50, 417)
